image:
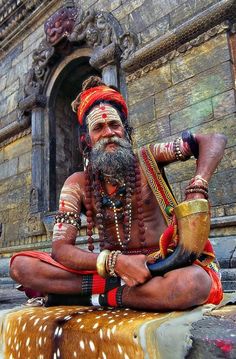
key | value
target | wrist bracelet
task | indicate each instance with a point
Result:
(111, 262)
(101, 263)
(188, 137)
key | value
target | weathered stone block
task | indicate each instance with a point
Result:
(191, 116)
(226, 126)
(22, 180)
(6, 62)
(154, 31)
(155, 81)
(203, 86)
(229, 159)
(1, 155)
(10, 103)
(142, 112)
(9, 91)
(224, 104)
(230, 209)
(181, 172)
(127, 8)
(8, 168)
(200, 58)
(17, 148)
(217, 211)
(3, 81)
(222, 191)
(188, 10)
(33, 38)
(12, 232)
(108, 5)
(154, 131)
(15, 198)
(224, 248)
(24, 163)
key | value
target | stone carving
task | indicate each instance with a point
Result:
(60, 25)
(128, 43)
(65, 30)
(35, 225)
(41, 57)
(34, 199)
(32, 86)
(93, 28)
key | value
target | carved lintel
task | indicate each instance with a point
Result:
(32, 101)
(35, 225)
(102, 57)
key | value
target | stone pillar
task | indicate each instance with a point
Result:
(110, 75)
(36, 194)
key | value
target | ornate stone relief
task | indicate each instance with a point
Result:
(68, 29)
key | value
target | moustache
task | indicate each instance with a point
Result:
(101, 144)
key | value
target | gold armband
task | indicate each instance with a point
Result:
(101, 263)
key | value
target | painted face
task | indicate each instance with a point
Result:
(104, 122)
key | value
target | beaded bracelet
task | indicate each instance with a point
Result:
(195, 186)
(197, 190)
(178, 154)
(68, 218)
(111, 262)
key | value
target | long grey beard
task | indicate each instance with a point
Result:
(114, 163)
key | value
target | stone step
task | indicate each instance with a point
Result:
(225, 250)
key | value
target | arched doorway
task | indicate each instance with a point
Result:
(63, 140)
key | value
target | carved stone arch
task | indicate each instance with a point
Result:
(93, 40)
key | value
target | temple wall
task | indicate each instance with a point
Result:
(193, 89)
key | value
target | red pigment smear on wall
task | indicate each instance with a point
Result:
(225, 345)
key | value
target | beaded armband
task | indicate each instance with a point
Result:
(68, 218)
(197, 185)
(177, 150)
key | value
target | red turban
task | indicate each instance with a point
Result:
(99, 93)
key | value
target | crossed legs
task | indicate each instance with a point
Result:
(178, 289)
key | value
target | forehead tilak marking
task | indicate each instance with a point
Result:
(97, 115)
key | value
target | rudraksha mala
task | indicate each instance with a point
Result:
(132, 185)
(88, 205)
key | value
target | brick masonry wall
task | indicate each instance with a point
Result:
(15, 180)
(194, 90)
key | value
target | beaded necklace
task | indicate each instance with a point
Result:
(120, 201)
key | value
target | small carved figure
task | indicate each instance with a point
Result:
(128, 43)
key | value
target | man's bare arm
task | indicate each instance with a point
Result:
(64, 235)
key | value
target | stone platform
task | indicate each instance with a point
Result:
(76, 332)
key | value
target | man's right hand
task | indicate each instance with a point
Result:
(132, 269)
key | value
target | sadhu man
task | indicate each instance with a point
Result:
(142, 262)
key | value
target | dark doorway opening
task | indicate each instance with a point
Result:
(64, 155)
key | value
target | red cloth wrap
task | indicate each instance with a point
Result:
(99, 93)
(215, 295)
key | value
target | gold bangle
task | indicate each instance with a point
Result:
(190, 207)
(101, 263)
